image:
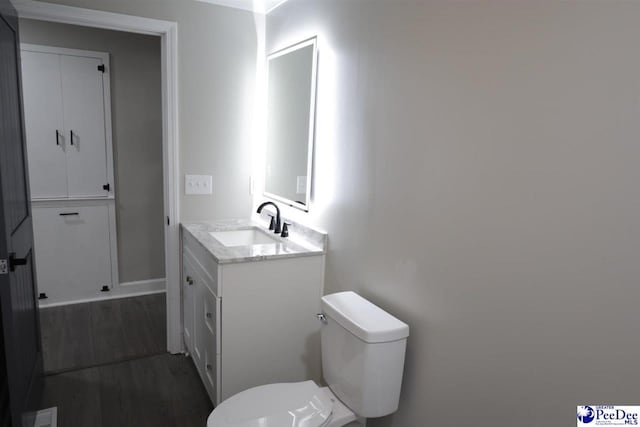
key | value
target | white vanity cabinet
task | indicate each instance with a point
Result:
(249, 323)
(201, 320)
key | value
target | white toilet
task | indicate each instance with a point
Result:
(363, 350)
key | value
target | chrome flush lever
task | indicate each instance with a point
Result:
(321, 317)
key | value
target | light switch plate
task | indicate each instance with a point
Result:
(198, 184)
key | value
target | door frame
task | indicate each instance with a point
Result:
(168, 32)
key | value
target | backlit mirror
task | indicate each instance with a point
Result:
(291, 77)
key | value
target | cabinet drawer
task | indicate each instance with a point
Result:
(212, 375)
(203, 261)
(73, 251)
(211, 318)
(211, 343)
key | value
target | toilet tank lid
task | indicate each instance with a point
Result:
(365, 320)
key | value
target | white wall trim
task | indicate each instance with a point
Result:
(168, 31)
(100, 298)
(104, 56)
(160, 281)
(52, 12)
(153, 284)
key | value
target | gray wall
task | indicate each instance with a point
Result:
(477, 173)
(217, 50)
(136, 104)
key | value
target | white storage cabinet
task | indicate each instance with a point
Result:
(65, 120)
(68, 133)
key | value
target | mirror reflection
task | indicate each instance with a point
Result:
(290, 123)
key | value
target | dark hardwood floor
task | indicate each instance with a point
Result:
(107, 366)
(156, 391)
(86, 335)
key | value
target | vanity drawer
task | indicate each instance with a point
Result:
(203, 261)
(212, 375)
(210, 340)
(188, 302)
(211, 316)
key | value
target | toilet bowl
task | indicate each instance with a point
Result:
(363, 351)
(302, 404)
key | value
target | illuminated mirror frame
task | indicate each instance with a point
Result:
(312, 114)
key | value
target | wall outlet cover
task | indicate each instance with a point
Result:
(301, 184)
(198, 184)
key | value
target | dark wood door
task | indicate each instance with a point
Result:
(20, 318)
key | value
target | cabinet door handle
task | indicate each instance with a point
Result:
(71, 132)
(57, 137)
(68, 213)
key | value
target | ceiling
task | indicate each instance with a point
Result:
(259, 6)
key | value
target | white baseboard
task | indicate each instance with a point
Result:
(143, 285)
(123, 290)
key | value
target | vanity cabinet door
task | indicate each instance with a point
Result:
(188, 301)
(211, 319)
(202, 317)
(199, 339)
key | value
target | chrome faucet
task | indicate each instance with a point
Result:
(277, 226)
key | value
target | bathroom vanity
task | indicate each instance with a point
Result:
(250, 300)
(250, 296)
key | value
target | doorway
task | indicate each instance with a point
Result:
(167, 31)
(96, 190)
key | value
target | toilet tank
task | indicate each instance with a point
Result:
(363, 351)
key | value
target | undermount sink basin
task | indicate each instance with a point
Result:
(242, 237)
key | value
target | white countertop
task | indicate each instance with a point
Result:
(302, 241)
